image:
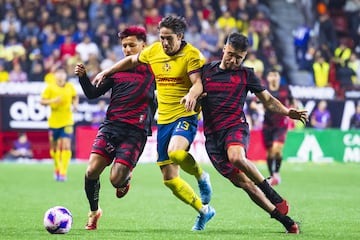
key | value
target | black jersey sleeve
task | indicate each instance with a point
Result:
(91, 91)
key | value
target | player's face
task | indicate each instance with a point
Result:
(273, 78)
(60, 76)
(170, 41)
(131, 45)
(232, 58)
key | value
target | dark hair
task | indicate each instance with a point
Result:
(137, 31)
(238, 41)
(272, 70)
(175, 23)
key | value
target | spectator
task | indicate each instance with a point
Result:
(17, 74)
(321, 117)
(4, 74)
(253, 38)
(82, 31)
(103, 39)
(301, 36)
(308, 60)
(253, 62)
(87, 48)
(10, 21)
(49, 45)
(226, 23)
(354, 64)
(21, 148)
(169, 7)
(209, 43)
(68, 47)
(355, 118)
(260, 22)
(344, 75)
(65, 22)
(321, 70)
(325, 32)
(342, 54)
(37, 73)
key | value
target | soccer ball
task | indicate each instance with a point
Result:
(58, 220)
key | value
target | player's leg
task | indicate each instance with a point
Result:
(182, 136)
(236, 156)
(240, 180)
(102, 154)
(215, 148)
(66, 153)
(95, 167)
(275, 154)
(120, 177)
(132, 141)
(183, 191)
(235, 141)
(170, 171)
(55, 151)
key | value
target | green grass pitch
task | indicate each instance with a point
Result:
(324, 198)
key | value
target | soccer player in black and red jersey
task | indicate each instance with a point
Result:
(122, 136)
(275, 125)
(226, 84)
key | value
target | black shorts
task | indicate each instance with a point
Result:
(217, 143)
(272, 135)
(121, 143)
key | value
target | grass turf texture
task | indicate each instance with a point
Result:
(324, 198)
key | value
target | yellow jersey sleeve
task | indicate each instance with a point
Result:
(172, 78)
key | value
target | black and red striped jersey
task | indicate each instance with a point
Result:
(132, 98)
(272, 119)
(226, 94)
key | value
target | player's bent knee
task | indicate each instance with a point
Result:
(177, 156)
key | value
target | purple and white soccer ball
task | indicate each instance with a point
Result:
(58, 220)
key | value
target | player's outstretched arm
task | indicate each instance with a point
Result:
(274, 105)
(89, 89)
(122, 65)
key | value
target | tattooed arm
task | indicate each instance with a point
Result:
(274, 105)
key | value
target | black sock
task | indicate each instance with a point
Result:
(270, 193)
(270, 165)
(278, 161)
(286, 221)
(92, 188)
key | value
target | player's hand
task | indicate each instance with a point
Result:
(301, 115)
(189, 102)
(56, 100)
(99, 79)
(198, 102)
(80, 70)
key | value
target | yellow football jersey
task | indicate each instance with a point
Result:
(172, 78)
(61, 113)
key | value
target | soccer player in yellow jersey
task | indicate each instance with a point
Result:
(176, 65)
(62, 99)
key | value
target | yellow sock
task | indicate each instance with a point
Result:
(65, 160)
(56, 156)
(187, 162)
(184, 192)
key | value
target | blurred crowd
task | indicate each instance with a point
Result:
(36, 36)
(328, 47)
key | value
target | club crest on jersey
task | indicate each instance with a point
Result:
(166, 67)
